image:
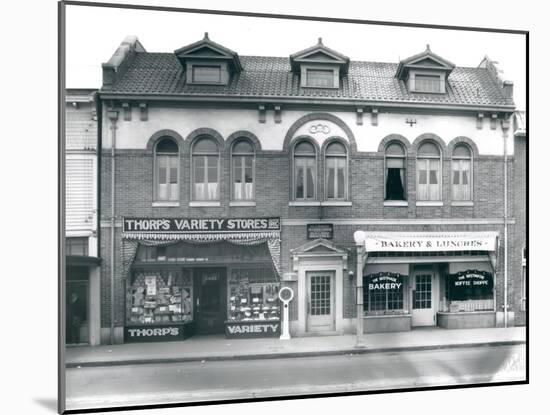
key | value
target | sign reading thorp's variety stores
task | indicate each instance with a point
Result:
(184, 225)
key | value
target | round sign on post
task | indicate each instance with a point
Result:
(286, 294)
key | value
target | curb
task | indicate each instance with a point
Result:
(285, 355)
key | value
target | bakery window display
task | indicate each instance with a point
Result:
(160, 297)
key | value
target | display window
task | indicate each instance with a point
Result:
(160, 297)
(470, 290)
(253, 295)
(383, 293)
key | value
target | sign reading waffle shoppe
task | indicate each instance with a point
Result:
(184, 225)
(430, 241)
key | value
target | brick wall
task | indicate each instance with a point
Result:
(134, 197)
(519, 191)
(134, 190)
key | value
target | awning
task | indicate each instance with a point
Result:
(428, 241)
(79, 260)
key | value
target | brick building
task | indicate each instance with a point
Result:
(369, 188)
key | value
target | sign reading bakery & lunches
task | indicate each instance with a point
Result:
(430, 241)
(203, 225)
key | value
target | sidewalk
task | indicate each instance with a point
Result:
(205, 348)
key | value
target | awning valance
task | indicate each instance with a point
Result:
(427, 241)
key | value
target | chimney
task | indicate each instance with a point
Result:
(116, 66)
(508, 89)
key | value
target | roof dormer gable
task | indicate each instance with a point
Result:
(319, 66)
(207, 62)
(424, 60)
(425, 72)
(319, 54)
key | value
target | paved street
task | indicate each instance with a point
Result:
(195, 381)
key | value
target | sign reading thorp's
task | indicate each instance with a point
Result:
(183, 225)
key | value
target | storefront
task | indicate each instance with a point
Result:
(422, 279)
(201, 276)
(82, 311)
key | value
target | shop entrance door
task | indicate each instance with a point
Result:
(77, 312)
(209, 284)
(423, 310)
(320, 301)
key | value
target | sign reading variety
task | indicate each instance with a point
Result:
(183, 225)
(252, 329)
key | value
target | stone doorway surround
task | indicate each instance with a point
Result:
(319, 255)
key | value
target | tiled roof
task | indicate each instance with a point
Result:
(161, 73)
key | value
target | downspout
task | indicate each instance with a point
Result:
(113, 116)
(505, 126)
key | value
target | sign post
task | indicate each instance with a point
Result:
(286, 294)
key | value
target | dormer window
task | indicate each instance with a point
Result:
(320, 77)
(207, 62)
(204, 74)
(319, 66)
(425, 72)
(427, 83)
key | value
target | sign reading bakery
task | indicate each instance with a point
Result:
(430, 241)
(184, 225)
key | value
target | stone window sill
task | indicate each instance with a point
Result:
(336, 203)
(166, 204)
(242, 203)
(396, 203)
(462, 203)
(304, 203)
(204, 204)
(429, 203)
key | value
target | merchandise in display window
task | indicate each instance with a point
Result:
(253, 295)
(160, 297)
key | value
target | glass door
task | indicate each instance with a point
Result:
(320, 316)
(423, 310)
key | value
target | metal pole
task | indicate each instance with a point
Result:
(359, 237)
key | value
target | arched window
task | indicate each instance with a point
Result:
(429, 172)
(395, 175)
(242, 170)
(166, 170)
(206, 159)
(462, 173)
(336, 178)
(305, 172)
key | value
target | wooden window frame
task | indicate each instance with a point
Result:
(233, 155)
(404, 158)
(194, 154)
(439, 171)
(346, 172)
(315, 173)
(156, 183)
(471, 176)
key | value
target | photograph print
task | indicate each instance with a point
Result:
(261, 207)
